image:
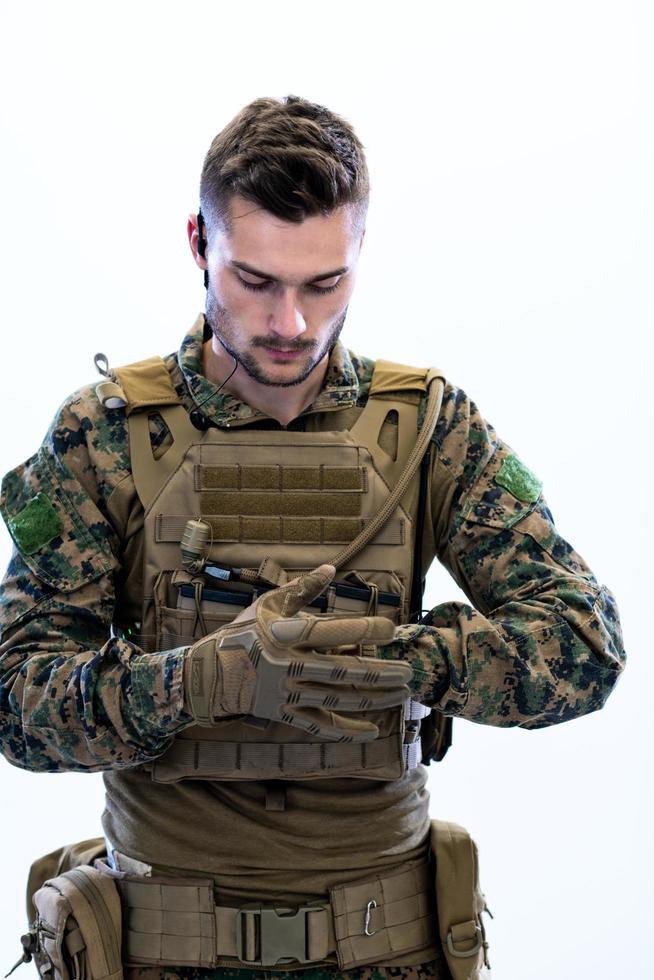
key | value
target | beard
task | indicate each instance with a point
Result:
(226, 332)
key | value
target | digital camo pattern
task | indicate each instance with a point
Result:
(434, 970)
(540, 642)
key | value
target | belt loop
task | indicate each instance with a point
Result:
(275, 791)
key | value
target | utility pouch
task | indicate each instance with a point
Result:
(460, 901)
(78, 927)
(76, 919)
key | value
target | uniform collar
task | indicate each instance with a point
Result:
(340, 387)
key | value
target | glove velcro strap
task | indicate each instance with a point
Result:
(201, 679)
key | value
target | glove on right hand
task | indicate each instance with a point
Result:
(268, 663)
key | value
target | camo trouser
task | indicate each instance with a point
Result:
(435, 970)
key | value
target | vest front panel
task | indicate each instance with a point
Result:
(298, 499)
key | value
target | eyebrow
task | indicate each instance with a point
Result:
(265, 275)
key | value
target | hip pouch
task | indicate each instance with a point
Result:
(76, 933)
(460, 901)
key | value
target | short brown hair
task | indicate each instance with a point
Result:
(292, 157)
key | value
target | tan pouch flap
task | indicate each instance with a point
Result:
(146, 383)
(79, 925)
(59, 861)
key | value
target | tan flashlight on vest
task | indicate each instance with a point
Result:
(195, 544)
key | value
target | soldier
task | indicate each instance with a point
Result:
(216, 585)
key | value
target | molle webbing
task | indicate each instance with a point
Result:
(209, 759)
(284, 530)
(300, 479)
(174, 921)
(275, 503)
(318, 530)
(285, 504)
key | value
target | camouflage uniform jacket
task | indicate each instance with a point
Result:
(539, 644)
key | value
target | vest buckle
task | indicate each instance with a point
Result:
(266, 935)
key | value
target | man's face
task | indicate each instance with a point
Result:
(278, 291)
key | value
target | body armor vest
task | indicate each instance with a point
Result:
(275, 503)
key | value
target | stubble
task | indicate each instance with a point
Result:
(224, 330)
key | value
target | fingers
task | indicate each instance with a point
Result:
(346, 632)
(289, 599)
(335, 699)
(326, 632)
(306, 588)
(345, 671)
(329, 726)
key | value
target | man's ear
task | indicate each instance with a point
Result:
(196, 233)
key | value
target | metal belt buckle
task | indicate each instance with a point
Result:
(281, 934)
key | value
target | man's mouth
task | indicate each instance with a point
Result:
(283, 355)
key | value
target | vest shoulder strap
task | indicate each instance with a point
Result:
(399, 388)
(389, 377)
(146, 384)
(393, 385)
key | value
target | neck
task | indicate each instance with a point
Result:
(281, 403)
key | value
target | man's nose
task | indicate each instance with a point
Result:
(287, 319)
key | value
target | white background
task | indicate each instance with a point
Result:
(509, 240)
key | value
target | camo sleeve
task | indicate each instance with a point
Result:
(72, 695)
(541, 641)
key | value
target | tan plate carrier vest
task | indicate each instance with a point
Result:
(277, 502)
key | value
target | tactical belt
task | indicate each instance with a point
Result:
(175, 922)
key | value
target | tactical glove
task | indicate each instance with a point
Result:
(268, 663)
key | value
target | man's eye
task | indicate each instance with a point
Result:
(259, 286)
(253, 285)
(324, 289)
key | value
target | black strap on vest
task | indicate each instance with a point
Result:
(436, 728)
(417, 581)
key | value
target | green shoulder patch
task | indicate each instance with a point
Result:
(35, 525)
(518, 479)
